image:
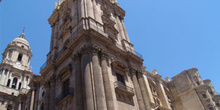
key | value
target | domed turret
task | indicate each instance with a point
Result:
(18, 53)
(21, 42)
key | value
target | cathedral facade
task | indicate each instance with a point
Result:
(92, 65)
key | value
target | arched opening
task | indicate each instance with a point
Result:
(9, 107)
(196, 79)
(42, 106)
(19, 86)
(14, 83)
(6, 72)
(20, 57)
(8, 83)
(27, 78)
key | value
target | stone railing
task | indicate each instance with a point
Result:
(60, 52)
(121, 87)
(63, 95)
(45, 64)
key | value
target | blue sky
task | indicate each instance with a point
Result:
(172, 35)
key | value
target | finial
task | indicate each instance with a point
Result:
(23, 29)
(167, 79)
(22, 34)
(154, 71)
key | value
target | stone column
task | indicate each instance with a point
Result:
(107, 83)
(19, 106)
(78, 83)
(98, 82)
(36, 98)
(6, 78)
(137, 90)
(3, 77)
(161, 93)
(88, 90)
(143, 91)
(32, 99)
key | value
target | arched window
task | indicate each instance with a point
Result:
(8, 83)
(6, 72)
(20, 57)
(19, 86)
(27, 78)
(43, 94)
(14, 83)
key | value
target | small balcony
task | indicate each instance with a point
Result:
(64, 95)
(65, 24)
(45, 64)
(120, 87)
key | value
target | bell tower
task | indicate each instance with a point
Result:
(104, 17)
(91, 56)
(15, 72)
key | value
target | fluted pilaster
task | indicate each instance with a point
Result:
(137, 90)
(32, 100)
(98, 81)
(143, 90)
(107, 83)
(162, 94)
(86, 72)
(78, 83)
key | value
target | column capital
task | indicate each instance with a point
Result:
(76, 57)
(84, 50)
(104, 55)
(133, 70)
(139, 74)
(95, 50)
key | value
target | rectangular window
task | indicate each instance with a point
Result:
(120, 78)
(65, 88)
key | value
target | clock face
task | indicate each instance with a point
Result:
(18, 65)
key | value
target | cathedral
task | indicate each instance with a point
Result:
(92, 65)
